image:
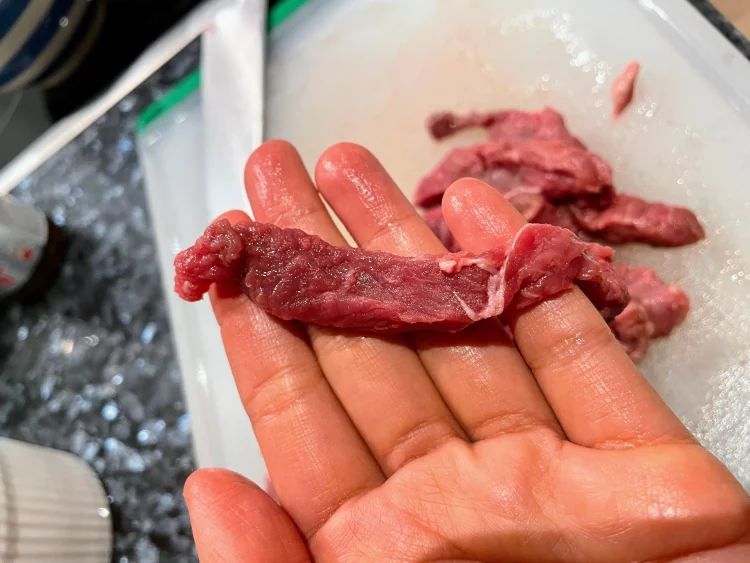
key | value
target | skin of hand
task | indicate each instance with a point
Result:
(448, 447)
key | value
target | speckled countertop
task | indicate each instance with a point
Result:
(92, 370)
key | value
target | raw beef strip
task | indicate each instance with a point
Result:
(632, 219)
(623, 88)
(465, 162)
(560, 216)
(629, 219)
(558, 170)
(614, 219)
(655, 308)
(528, 202)
(510, 125)
(293, 275)
(445, 123)
(666, 305)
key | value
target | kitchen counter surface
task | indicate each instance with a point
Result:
(92, 369)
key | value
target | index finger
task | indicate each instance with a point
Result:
(308, 441)
(597, 393)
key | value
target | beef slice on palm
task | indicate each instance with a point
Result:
(294, 275)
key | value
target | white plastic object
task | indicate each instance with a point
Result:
(53, 508)
(171, 153)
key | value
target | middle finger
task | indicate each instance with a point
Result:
(380, 381)
(479, 372)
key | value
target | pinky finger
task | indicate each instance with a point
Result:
(234, 520)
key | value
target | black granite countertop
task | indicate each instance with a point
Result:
(92, 369)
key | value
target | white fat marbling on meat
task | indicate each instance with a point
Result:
(455, 265)
(473, 315)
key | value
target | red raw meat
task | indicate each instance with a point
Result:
(293, 275)
(463, 162)
(535, 153)
(511, 125)
(557, 170)
(655, 309)
(623, 88)
(667, 306)
(632, 219)
(634, 330)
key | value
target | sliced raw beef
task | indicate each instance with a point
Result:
(623, 88)
(533, 157)
(667, 306)
(655, 309)
(632, 219)
(293, 275)
(557, 170)
(465, 162)
(511, 125)
(560, 216)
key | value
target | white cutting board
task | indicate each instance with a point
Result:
(370, 71)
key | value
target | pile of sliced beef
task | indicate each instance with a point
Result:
(551, 177)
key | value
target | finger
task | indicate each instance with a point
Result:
(598, 395)
(234, 520)
(479, 373)
(379, 380)
(314, 454)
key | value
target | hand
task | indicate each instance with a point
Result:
(436, 447)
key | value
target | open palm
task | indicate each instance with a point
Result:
(444, 447)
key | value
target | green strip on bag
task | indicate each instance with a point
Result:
(279, 13)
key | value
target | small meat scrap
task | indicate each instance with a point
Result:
(655, 309)
(667, 306)
(293, 275)
(632, 219)
(623, 88)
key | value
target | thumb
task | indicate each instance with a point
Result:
(234, 520)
